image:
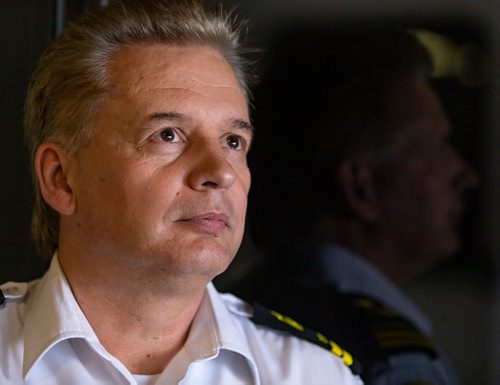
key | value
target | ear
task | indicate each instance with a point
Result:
(51, 168)
(356, 182)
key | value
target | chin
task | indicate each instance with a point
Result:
(205, 258)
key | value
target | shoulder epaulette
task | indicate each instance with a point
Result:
(391, 332)
(10, 291)
(275, 320)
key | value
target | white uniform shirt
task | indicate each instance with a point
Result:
(46, 340)
(351, 274)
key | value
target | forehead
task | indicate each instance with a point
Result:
(149, 70)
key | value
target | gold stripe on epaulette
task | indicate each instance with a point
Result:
(261, 316)
(373, 307)
(289, 321)
(336, 349)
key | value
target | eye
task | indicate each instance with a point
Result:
(168, 134)
(234, 142)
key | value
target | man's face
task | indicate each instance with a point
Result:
(164, 182)
(421, 190)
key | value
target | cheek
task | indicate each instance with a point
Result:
(245, 182)
(436, 188)
(245, 177)
(239, 199)
(121, 191)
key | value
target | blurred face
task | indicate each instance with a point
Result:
(421, 190)
(164, 181)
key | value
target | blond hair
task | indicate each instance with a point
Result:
(72, 77)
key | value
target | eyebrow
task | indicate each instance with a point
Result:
(159, 116)
(233, 123)
(241, 124)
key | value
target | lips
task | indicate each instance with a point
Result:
(212, 223)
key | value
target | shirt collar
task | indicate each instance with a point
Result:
(53, 315)
(214, 328)
(351, 273)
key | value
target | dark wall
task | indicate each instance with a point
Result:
(26, 29)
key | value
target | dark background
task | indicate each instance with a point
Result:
(461, 296)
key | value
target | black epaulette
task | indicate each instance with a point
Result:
(391, 332)
(275, 320)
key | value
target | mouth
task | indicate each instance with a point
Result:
(211, 222)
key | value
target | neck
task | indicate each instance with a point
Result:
(141, 317)
(379, 249)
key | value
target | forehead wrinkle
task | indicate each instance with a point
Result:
(207, 84)
(223, 96)
(197, 90)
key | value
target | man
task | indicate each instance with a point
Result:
(357, 191)
(138, 124)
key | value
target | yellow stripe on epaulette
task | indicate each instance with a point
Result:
(397, 334)
(282, 322)
(336, 349)
(332, 346)
(390, 331)
(283, 318)
(372, 306)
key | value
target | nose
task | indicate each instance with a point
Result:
(211, 169)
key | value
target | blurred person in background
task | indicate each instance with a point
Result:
(356, 191)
